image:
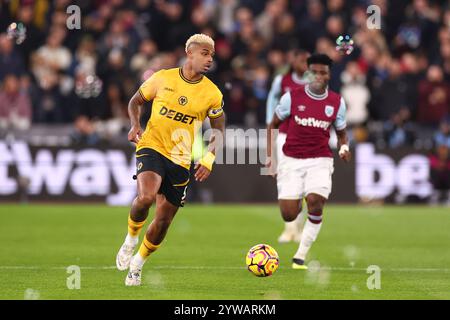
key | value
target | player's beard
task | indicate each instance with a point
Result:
(318, 87)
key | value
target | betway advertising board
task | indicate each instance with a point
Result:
(53, 174)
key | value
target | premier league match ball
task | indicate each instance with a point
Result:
(262, 260)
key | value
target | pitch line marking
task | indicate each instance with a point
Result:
(165, 267)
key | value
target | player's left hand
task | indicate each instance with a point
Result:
(346, 156)
(201, 173)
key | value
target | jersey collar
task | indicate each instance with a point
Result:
(297, 79)
(188, 81)
(315, 96)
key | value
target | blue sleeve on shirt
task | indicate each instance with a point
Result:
(272, 98)
(340, 123)
(283, 110)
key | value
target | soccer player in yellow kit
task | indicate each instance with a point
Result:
(182, 99)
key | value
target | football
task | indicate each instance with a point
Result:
(262, 260)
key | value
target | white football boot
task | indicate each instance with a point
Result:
(134, 276)
(124, 256)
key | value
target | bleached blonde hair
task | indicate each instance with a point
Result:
(199, 38)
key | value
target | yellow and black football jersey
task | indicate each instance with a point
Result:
(179, 108)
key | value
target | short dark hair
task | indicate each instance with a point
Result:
(320, 58)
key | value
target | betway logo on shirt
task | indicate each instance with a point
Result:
(311, 122)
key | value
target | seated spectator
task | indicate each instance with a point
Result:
(15, 105)
(434, 98)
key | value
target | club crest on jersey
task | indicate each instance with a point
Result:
(329, 110)
(182, 100)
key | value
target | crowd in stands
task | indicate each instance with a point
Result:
(396, 82)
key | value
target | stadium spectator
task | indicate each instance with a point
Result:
(236, 104)
(140, 62)
(444, 51)
(223, 14)
(285, 37)
(51, 59)
(336, 6)
(271, 16)
(85, 55)
(434, 98)
(49, 63)
(335, 26)
(440, 174)
(223, 59)
(245, 30)
(440, 164)
(35, 36)
(356, 95)
(15, 105)
(442, 137)
(84, 132)
(390, 104)
(118, 113)
(311, 25)
(10, 59)
(96, 21)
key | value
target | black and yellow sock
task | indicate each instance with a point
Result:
(147, 248)
(134, 228)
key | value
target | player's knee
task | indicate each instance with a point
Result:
(315, 204)
(315, 207)
(289, 214)
(147, 199)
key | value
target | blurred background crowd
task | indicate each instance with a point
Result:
(396, 82)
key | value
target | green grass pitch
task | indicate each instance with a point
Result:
(203, 256)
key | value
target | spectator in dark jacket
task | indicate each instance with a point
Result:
(11, 61)
(434, 98)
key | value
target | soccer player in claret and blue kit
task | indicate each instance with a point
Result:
(293, 79)
(307, 166)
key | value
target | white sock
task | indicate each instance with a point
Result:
(291, 227)
(131, 240)
(295, 226)
(300, 220)
(137, 261)
(310, 233)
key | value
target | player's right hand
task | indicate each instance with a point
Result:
(135, 133)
